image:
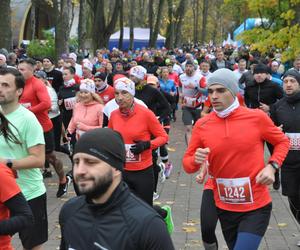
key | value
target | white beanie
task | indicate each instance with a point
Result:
(125, 84)
(226, 78)
(87, 64)
(138, 71)
(87, 85)
(73, 56)
(3, 57)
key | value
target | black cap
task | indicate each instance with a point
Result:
(40, 74)
(100, 75)
(261, 68)
(292, 73)
(49, 58)
(105, 144)
(189, 62)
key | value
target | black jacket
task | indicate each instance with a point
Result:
(286, 112)
(214, 65)
(266, 92)
(124, 222)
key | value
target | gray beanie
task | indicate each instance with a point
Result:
(226, 78)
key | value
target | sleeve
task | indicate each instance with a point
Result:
(273, 114)
(156, 236)
(34, 132)
(163, 103)
(71, 127)
(20, 215)
(242, 79)
(100, 121)
(274, 136)
(156, 129)
(279, 92)
(173, 88)
(188, 160)
(62, 224)
(202, 86)
(105, 121)
(43, 98)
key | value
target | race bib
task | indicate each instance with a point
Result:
(294, 140)
(70, 103)
(190, 101)
(26, 105)
(235, 191)
(131, 157)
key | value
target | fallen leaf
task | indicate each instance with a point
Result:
(188, 224)
(58, 237)
(157, 203)
(174, 181)
(190, 229)
(182, 185)
(64, 199)
(171, 149)
(169, 202)
(282, 225)
(194, 221)
(52, 184)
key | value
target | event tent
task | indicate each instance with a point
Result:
(141, 39)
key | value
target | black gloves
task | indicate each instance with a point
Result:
(139, 147)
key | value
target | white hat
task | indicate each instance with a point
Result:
(3, 57)
(87, 85)
(125, 84)
(73, 56)
(87, 64)
(138, 71)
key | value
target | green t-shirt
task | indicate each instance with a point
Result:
(29, 131)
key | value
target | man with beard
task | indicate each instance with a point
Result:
(107, 215)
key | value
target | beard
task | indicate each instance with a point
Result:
(100, 187)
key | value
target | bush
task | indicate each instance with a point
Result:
(42, 48)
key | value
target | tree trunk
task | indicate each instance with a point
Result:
(195, 20)
(62, 27)
(140, 18)
(82, 31)
(32, 19)
(204, 20)
(102, 32)
(121, 25)
(131, 24)
(179, 17)
(170, 29)
(5, 25)
(150, 21)
(153, 39)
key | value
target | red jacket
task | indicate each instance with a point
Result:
(35, 97)
(139, 125)
(236, 146)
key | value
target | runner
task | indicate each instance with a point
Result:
(240, 177)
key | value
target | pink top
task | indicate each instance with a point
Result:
(86, 117)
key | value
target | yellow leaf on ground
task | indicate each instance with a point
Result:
(182, 185)
(171, 149)
(282, 224)
(157, 203)
(190, 229)
(169, 202)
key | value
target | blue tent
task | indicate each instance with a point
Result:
(141, 39)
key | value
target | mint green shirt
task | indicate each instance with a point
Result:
(29, 131)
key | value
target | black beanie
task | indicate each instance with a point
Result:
(293, 73)
(100, 75)
(49, 58)
(105, 144)
(261, 68)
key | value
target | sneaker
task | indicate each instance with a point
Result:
(161, 174)
(168, 169)
(63, 188)
(298, 243)
(47, 174)
(168, 220)
(155, 196)
(276, 184)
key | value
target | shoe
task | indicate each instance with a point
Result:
(161, 174)
(155, 196)
(276, 184)
(168, 220)
(47, 174)
(65, 148)
(63, 188)
(168, 169)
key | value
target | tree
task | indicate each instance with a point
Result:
(170, 28)
(5, 25)
(131, 24)
(150, 20)
(82, 24)
(121, 26)
(153, 36)
(196, 20)
(204, 20)
(179, 15)
(101, 30)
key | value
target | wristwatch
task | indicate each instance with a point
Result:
(9, 163)
(274, 164)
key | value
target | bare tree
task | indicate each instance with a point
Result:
(204, 20)
(103, 31)
(131, 24)
(62, 10)
(153, 38)
(150, 20)
(82, 29)
(5, 25)
(121, 21)
(170, 28)
(178, 21)
(195, 20)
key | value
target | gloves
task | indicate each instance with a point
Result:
(139, 147)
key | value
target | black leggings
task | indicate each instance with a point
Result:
(141, 183)
(294, 202)
(209, 217)
(57, 123)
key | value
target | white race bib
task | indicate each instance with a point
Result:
(26, 105)
(235, 190)
(190, 101)
(294, 140)
(131, 157)
(70, 103)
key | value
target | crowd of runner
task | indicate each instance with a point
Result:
(112, 114)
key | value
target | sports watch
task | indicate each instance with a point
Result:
(274, 164)
(9, 163)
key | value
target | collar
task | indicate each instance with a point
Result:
(293, 98)
(229, 110)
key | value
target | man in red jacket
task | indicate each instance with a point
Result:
(35, 97)
(230, 143)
